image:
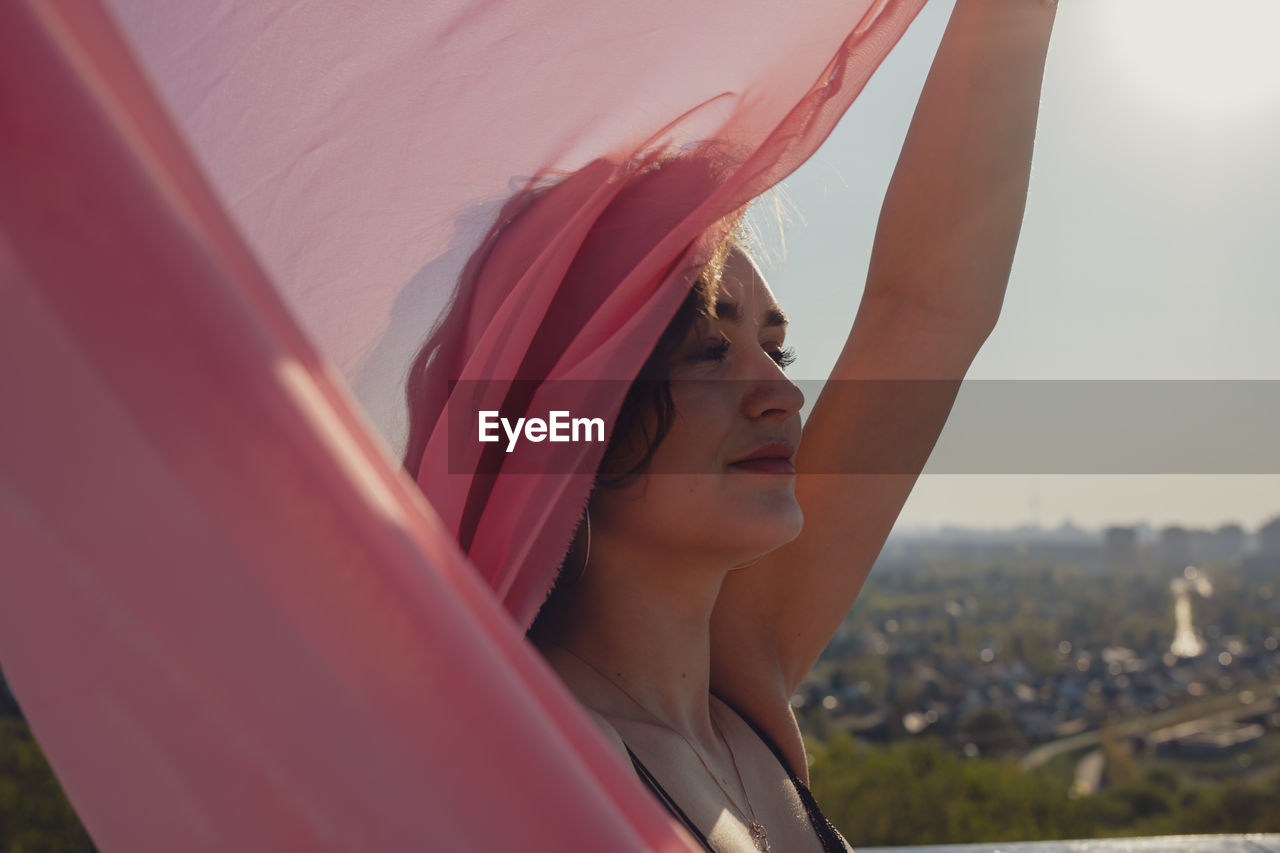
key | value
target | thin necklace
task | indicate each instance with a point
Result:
(759, 836)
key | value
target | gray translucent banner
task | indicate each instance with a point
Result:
(1111, 427)
(892, 426)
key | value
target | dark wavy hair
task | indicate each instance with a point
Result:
(648, 409)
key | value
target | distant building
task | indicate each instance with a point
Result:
(1226, 543)
(1269, 539)
(1175, 547)
(1120, 548)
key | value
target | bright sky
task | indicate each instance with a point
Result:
(1148, 250)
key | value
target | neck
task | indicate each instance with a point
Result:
(639, 639)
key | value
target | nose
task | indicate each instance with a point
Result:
(773, 397)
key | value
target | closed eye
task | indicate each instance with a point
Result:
(719, 350)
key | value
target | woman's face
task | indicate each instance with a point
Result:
(731, 401)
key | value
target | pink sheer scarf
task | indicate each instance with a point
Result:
(230, 619)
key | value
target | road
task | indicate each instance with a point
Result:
(1224, 708)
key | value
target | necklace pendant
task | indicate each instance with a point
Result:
(759, 836)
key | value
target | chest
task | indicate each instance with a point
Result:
(723, 802)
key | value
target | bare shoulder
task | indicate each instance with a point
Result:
(569, 676)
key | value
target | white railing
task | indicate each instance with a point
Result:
(1167, 844)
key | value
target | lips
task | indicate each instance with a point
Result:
(772, 458)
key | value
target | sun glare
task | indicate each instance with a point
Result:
(1218, 56)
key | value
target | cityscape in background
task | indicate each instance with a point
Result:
(1101, 659)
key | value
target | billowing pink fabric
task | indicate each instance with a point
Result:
(365, 148)
(231, 621)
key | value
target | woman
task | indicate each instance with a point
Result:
(714, 562)
(673, 514)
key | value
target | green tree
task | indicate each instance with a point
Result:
(35, 816)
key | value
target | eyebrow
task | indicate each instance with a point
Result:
(729, 311)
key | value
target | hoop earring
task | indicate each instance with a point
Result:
(587, 557)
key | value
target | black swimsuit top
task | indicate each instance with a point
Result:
(832, 841)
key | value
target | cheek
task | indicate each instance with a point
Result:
(703, 419)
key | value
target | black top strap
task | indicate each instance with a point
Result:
(832, 841)
(661, 793)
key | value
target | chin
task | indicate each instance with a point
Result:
(796, 525)
(774, 523)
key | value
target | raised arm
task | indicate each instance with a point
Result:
(941, 259)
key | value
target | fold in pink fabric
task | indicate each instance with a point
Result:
(231, 620)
